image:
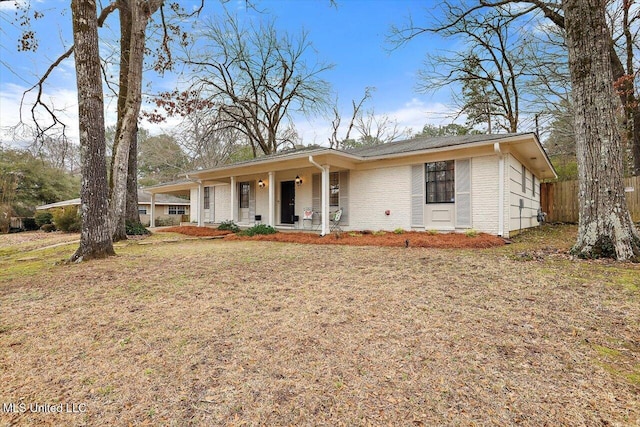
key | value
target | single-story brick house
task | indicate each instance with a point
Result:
(169, 209)
(489, 183)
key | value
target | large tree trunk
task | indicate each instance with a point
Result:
(127, 127)
(605, 226)
(132, 216)
(95, 238)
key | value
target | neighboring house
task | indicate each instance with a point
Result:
(489, 183)
(168, 209)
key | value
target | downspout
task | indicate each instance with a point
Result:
(324, 213)
(496, 149)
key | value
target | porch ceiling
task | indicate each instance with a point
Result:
(180, 189)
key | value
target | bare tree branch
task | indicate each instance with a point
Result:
(40, 131)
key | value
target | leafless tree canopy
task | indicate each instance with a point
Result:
(539, 28)
(256, 78)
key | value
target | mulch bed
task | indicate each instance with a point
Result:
(190, 230)
(406, 239)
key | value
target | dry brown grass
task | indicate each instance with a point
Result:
(218, 332)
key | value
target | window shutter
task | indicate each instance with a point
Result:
(417, 196)
(533, 190)
(344, 196)
(252, 201)
(463, 193)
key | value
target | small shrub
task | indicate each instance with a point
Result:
(43, 217)
(258, 229)
(379, 233)
(29, 224)
(163, 222)
(432, 232)
(229, 226)
(48, 228)
(67, 219)
(471, 233)
(398, 230)
(75, 227)
(136, 229)
(355, 234)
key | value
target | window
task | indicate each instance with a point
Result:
(207, 199)
(524, 179)
(244, 195)
(142, 210)
(177, 210)
(334, 188)
(440, 182)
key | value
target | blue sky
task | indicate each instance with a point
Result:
(352, 36)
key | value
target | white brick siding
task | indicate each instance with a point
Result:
(372, 192)
(484, 193)
(193, 203)
(531, 203)
(222, 203)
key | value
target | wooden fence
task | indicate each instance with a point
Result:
(560, 199)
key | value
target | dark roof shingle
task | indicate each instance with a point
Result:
(423, 143)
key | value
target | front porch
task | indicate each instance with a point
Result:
(262, 192)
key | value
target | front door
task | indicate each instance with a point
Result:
(287, 201)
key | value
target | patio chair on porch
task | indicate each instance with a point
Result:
(307, 218)
(335, 221)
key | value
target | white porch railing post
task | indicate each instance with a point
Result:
(152, 219)
(324, 198)
(200, 204)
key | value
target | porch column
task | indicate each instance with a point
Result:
(200, 204)
(272, 199)
(152, 217)
(324, 199)
(234, 200)
(501, 188)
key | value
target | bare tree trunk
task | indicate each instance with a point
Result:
(605, 226)
(95, 238)
(635, 141)
(128, 119)
(132, 216)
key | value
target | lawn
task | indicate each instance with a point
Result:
(184, 331)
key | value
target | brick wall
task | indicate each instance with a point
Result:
(372, 192)
(527, 217)
(484, 193)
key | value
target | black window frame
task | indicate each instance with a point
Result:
(179, 210)
(440, 182)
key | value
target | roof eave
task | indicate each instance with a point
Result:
(302, 155)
